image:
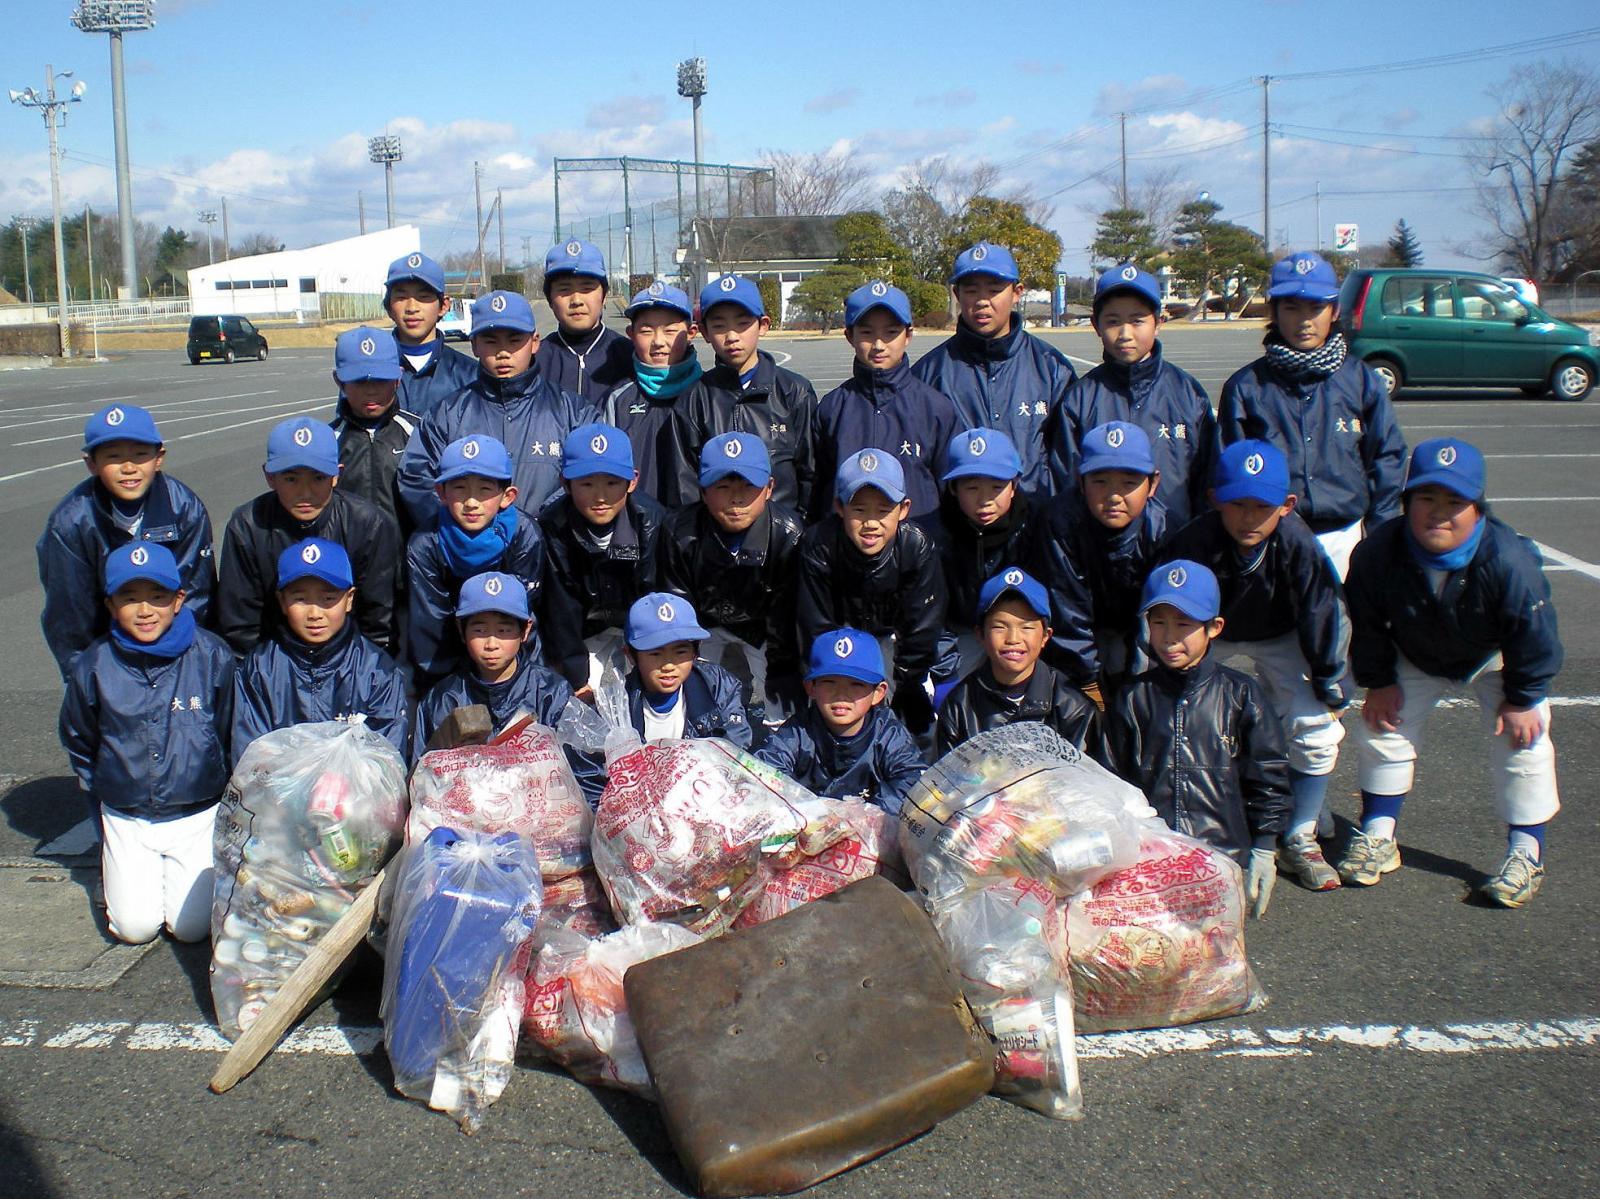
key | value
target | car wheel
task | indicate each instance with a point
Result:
(261, 356)
(1572, 380)
(227, 355)
(194, 359)
(1389, 371)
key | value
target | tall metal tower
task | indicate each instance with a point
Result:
(386, 150)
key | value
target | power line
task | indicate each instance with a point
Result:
(1409, 150)
(1555, 41)
(1430, 137)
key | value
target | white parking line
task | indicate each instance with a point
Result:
(1568, 562)
(1449, 428)
(167, 422)
(157, 407)
(1547, 499)
(1542, 455)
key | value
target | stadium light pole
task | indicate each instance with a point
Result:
(386, 150)
(117, 17)
(692, 86)
(208, 217)
(51, 106)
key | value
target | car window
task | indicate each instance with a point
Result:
(1485, 301)
(246, 325)
(203, 326)
(1417, 295)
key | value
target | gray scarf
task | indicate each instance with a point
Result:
(1305, 366)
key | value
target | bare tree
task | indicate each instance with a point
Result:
(818, 184)
(1546, 112)
(932, 200)
(1160, 195)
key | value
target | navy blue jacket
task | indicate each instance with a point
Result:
(369, 457)
(890, 410)
(977, 704)
(1207, 751)
(971, 556)
(247, 608)
(533, 689)
(716, 705)
(898, 590)
(1498, 603)
(284, 681)
(1288, 586)
(1347, 459)
(148, 736)
(880, 764)
(424, 391)
(72, 550)
(1095, 576)
(1016, 383)
(587, 589)
(653, 429)
(433, 642)
(1166, 402)
(589, 366)
(779, 407)
(529, 416)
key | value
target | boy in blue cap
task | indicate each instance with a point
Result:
(1328, 412)
(1135, 382)
(508, 400)
(867, 566)
(845, 745)
(369, 422)
(996, 373)
(882, 406)
(748, 392)
(1094, 552)
(1440, 595)
(128, 497)
(1284, 608)
(1013, 619)
(1200, 740)
(500, 672)
(304, 500)
(480, 529)
(317, 666)
(671, 693)
(145, 724)
(661, 330)
(414, 298)
(602, 543)
(735, 555)
(582, 356)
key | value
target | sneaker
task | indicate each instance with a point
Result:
(1519, 880)
(1302, 857)
(1368, 859)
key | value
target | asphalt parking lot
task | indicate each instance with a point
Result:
(1416, 1042)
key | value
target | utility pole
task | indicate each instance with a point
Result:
(1319, 216)
(25, 224)
(361, 213)
(1266, 164)
(477, 192)
(208, 218)
(1122, 120)
(88, 244)
(226, 253)
(627, 229)
(500, 208)
(51, 108)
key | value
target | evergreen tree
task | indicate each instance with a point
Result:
(1123, 235)
(1404, 248)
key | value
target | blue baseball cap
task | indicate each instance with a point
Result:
(316, 558)
(1188, 586)
(660, 295)
(846, 653)
(742, 454)
(502, 310)
(1252, 470)
(418, 267)
(494, 591)
(1304, 275)
(1127, 277)
(659, 619)
(120, 422)
(596, 450)
(1014, 580)
(731, 289)
(1116, 445)
(304, 442)
(986, 258)
(365, 353)
(574, 257)
(981, 453)
(479, 454)
(876, 294)
(870, 468)
(1448, 462)
(141, 560)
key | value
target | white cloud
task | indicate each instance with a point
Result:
(1145, 93)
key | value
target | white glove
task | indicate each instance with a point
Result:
(1259, 877)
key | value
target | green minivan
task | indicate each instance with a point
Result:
(1424, 328)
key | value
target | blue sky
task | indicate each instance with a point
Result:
(270, 104)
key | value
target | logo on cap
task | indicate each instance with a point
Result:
(842, 647)
(880, 288)
(574, 249)
(1447, 455)
(470, 450)
(311, 555)
(728, 283)
(869, 463)
(1013, 578)
(1130, 273)
(666, 613)
(1177, 577)
(414, 261)
(1254, 464)
(302, 435)
(1304, 266)
(732, 449)
(1114, 438)
(598, 443)
(976, 446)
(979, 253)
(498, 303)
(657, 288)
(139, 556)
(116, 416)
(368, 346)
(491, 586)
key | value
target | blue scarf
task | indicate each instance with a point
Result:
(171, 644)
(665, 382)
(1451, 559)
(466, 554)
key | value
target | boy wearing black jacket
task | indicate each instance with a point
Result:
(371, 426)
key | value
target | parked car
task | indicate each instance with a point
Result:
(1420, 327)
(224, 338)
(456, 325)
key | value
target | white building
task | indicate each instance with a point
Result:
(294, 282)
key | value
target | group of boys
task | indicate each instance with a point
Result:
(840, 586)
